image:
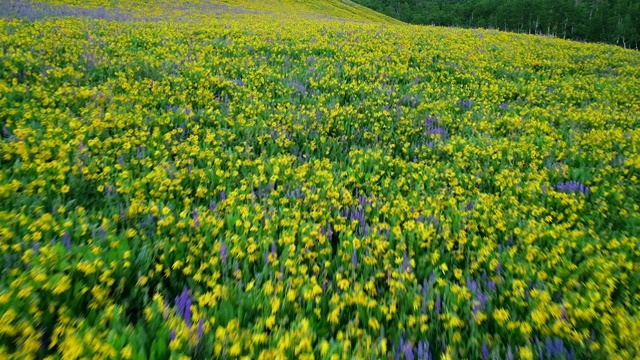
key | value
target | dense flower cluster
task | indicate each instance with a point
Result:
(264, 186)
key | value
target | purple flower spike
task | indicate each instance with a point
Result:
(438, 304)
(485, 351)
(196, 217)
(509, 353)
(548, 344)
(173, 335)
(465, 104)
(66, 240)
(183, 305)
(438, 131)
(499, 269)
(354, 258)
(572, 187)
(223, 252)
(200, 328)
(408, 352)
(405, 261)
(559, 346)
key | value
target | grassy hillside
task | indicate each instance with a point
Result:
(264, 181)
(204, 9)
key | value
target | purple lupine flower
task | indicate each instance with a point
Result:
(572, 186)
(223, 252)
(420, 349)
(6, 132)
(405, 261)
(548, 344)
(471, 285)
(408, 352)
(173, 335)
(509, 353)
(469, 206)
(438, 131)
(492, 286)
(485, 351)
(200, 328)
(329, 231)
(196, 217)
(429, 121)
(559, 346)
(183, 305)
(476, 308)
(354, 258)
(465, 104)
(223, 195)
(66, 240)
(36, 247)
(483, 299)
(438, 304)
(122, 213)
(121, 159)
(266, 257)
(499, 269)
(273, 249)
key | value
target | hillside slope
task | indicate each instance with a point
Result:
(243, 180)
(200, 9)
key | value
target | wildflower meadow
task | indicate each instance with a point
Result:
(311, 180)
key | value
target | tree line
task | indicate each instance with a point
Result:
(609, 21)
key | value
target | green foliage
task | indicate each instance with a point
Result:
(609, 21)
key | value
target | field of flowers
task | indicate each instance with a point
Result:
(260, 184)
